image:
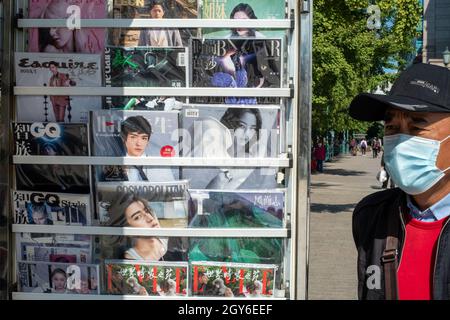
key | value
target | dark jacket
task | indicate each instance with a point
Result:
(370, 227)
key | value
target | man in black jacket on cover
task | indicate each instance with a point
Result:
(402, 235)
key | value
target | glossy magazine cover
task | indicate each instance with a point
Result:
(233, 280)
(53, 178)
(50, 139)
(68, 39)
(51, 208)
(142, 9)
(236, 63)
(57, 70)
(61, 278)
(243, 209)
(230, 131)
(146, 278)
(238, 9)
(166, 202)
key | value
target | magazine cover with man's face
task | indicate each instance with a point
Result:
(150, 9)
(57, 70)
(58, 278)
(233, 280)
(146, 278)
(44, 208)
(69, 39)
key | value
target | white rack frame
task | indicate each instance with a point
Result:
(159, 232)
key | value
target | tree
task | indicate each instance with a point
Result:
(348, 58)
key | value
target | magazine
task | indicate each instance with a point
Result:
(57, 70)
(146, 278)
(70, 38)
(243, 209)
(165, 201)
(143, 9)
(50, 139)
(233, 280)
(230, 131)
(61, 278)
(236, 9)
(236, 63)
(53, 248)
(51, 208)
(144, 67)
(53, 178)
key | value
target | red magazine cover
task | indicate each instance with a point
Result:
(84, 40)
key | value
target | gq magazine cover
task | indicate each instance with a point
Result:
(61, 278)
(224, 131)
(145, 66)
(151, 9)
(118, 133)
(233, 280)
(54, 139)
(54, 248)
(147, 278)
(237, 62)
(64, 39)
(57, 70)
(44, 208)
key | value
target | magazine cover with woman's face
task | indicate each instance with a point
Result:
(57, 70)
(58, 278)
(65, 39)
(243, 9)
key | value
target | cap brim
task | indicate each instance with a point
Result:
(372, 107)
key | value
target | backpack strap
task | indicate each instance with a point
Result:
(389, 258)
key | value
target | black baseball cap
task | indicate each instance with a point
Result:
(420, 88)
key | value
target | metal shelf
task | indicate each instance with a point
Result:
(156, 91)
(156, 232)
(161, 23)
(281, 162)
(55, 296)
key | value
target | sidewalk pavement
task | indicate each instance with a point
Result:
(332, 253)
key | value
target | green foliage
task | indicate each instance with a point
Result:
(348, 58)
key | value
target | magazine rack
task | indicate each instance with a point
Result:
(294, 159)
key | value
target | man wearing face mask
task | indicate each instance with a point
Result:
(408, 224)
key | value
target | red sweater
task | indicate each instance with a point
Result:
(415, 273)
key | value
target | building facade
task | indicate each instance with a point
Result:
(436, 30)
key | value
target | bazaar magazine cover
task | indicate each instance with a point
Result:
(50, 139)
(119, 133)
(54, 248)
(236, 63)
(238, 9)
(61, 278)
(146, 278)
(233, 280)
(66, 39)
(143, 67)
(46, 208)
(141, 9)
(57, 70)
(232, 209)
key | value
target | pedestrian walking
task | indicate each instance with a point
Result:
(417, 156)
(319, 154)
(363, 146)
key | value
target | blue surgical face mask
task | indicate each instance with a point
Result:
(411, 162)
